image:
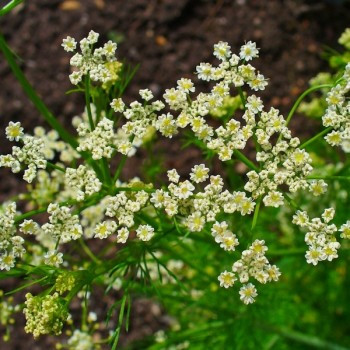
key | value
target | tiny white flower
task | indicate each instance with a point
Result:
(145, 232)
(69, 44)
(227, 279)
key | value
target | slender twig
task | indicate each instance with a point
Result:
(56, 167)
(239, 155)
(320, 134)
(88, 101)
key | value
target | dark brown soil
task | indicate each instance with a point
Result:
(168, 38)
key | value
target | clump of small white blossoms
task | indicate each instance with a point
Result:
(105, 229)
(53, 145)
(81, 340)
(44, 314)
(92, 62)
(99, 141)
(321, 238)
(48, 187)
(62, 225)
(64, 283)
(92, 216)
(30, 155)
(337, 115)
(196, 208)
(123, 207)
(253, 263)
(11, 245)
(145, 232)
(281, 164)
(141, 117)
(232, 71)
(226, 238)
(81, 182)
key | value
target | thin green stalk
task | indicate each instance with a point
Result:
(106, 172)
(302, 96)
(88, 252)
(120, 168)
(134, 189)
(291, 202)
(245, 160)
(10, 6)
(33, 96)
(56, 167)
(120, 322)
(320, 134)
(29, 214)
(241, 95)
(345, 178)
(307, 339)
(24, 286)
(88, 101)
(300, 99)
(256, 213)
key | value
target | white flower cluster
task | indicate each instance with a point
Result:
(201, 207)
(122, 207)
(90, 61)
(31, 154)
(11, 245)
(253, 263)
(99, 141)
(81, 182)
(140, 118)
(44, 314)
(62, 224)
(91, 216)
(119, 140)
(281, 164)
(53, 145)
(320, 238)
(337, 115)
(232, 71)
(47, 187)
(226, 238)
(81, 341)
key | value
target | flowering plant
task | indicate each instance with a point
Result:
(81, 225)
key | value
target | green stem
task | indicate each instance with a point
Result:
(120, 322)
(320, 134)
(106, 172)
(241, 95)
(307, 339)
(29, 214)
(10, 6)
(291, 202)
(245, 160)
(300, 99)
(32, 95)
(256, 213)
(120, 168)
(345, 178)
(87, 101)
(133, 189)
(56, 167)
(302, 96)
(88, 252)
